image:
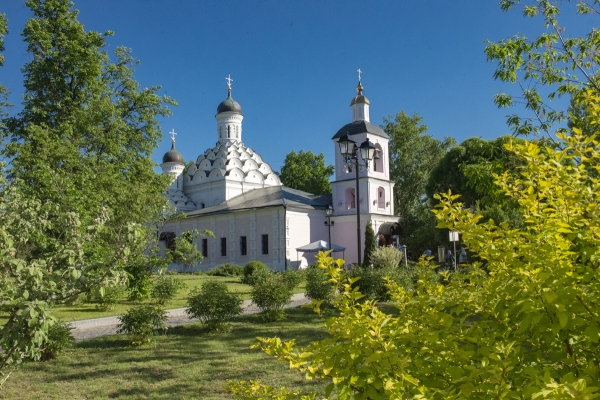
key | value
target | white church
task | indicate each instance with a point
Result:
(232, 192)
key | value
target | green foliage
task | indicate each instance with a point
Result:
(165, 288)
(386, 257)
(81, 178)
(370, 244)
(372, 283)
(413, 154)
(142, 322)
(469, 169)
(251, 268)
(254, 390)
(186, 252)
(521, 323)
(140, 284)
(214, 305)
(106, 298)
(307, 172)
(318, 286)
(271, 292)
(59, 339)
(226, 270)
(563, 64)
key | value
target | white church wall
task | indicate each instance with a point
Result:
(306, 227)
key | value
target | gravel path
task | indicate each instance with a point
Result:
(93, 328)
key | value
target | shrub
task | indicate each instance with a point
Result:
(386, 257)
(166, 288)
(250, 269)
(141, 289)
(292, 278)
(226, 270)
(107, 298)
(59, 339)
(213, 305)
(141, 323)
(318, 286)
(271, 293)
(372, 282)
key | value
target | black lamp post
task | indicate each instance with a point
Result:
(350, 152)
(329, 212)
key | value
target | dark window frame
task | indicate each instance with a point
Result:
(204, 248)
(243, 246)
(223, 247)
(265, 244)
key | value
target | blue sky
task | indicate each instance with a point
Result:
(293, 64)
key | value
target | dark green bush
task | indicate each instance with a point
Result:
(318, 286)
(166, 288)
(226, 270)
(271, 293)
(372, 280)
(59, 339)
(252, 268)
(292, 278)
(107, 298)
(141, 323)
(214, 305)
(141, 289)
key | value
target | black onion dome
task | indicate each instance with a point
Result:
(229, 104)
(173, 156)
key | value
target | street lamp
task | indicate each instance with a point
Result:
(329, 212)
(350, 152)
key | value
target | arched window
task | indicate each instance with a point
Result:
(350, 198)
(228, 131)
(380, 197)
(378, 164)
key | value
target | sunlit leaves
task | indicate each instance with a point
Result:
(544, 67)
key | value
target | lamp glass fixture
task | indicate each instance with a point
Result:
(346, 145)
(367, 150)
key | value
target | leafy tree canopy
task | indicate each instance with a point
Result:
(80, 188)
(307, 172)
(413, 155)
(469, 169)
(550, 65)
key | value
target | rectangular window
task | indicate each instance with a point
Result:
(265, 244)
(243, 247)
(205, 247)
(223, 247)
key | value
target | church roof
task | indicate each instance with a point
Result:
(229, 104)
(173, 156)
(357, 127)
(231, 156)
(274, 196)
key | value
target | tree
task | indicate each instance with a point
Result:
(522, 323)
(370, 244)
(469, 169)
(307, 172)
(3, 90)
(552, 60)
(81, 186)
(413, 155)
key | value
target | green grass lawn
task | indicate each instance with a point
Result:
(186, 363)
(88, 310)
